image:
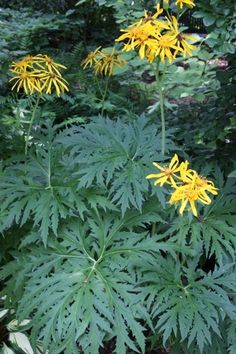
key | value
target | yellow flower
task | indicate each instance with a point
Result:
(186, 47)
(143, 35)
(205, 185)
(45, 61)
(49, 79)
(146, 45)
(189, 186)
(148, 39)
(166, 45)
(187, 194)
(133, 34)
(168, 172)
(155, 37)
(25, 80)
(200, 183)
(91, 58)
(195, 189)
(104, 62)
(181, 3)
(109, 61)
(22, 65)
(181, 39)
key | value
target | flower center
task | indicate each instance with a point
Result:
(168, 171)
(191, 194)
(52, 75)
(164, 43)
(24, 75)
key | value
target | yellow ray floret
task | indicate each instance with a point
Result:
(181, 3)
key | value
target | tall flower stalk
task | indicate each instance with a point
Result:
(158, 38)
(161, 100)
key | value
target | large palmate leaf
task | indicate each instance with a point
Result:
(43, 191)
(188, 303)
(82, 289)
(38, 191)
(116, 155)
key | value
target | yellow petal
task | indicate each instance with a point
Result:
(183, 205)
(203, 197)
(193, 207)
(161, 180)
(174, 161)
(142, 51)
(158, 166)
(157, 175)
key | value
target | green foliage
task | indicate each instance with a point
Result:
(22, 31)
(193, 81)
(82, 287)
(186, 302)
(219, 18)
(45, 193)
(125, 11)
(215, 231)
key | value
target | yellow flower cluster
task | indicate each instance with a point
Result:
(188, 186)
(38, 73)
(157, 37)
(103, 62)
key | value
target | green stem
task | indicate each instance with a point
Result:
(153, 231)
(98, 85)
(30, 124)
(168, 15)
(161, 98)
(163, 127)
(104, 94)
(181, 13)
